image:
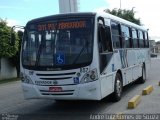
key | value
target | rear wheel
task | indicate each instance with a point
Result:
(116, 96)
(143, 77)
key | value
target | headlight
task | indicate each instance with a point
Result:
(90, 76)
(26, 79)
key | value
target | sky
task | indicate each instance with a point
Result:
(18, 12)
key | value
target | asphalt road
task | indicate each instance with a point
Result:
(13, 105)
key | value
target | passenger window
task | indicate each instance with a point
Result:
(108, 35)
(125, 36)
(115, 29)
(141, 39)
(146, 39)
(134, 38)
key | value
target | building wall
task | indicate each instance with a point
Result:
(152, 44)
(157, 48)
(67, 6)
(6, 69)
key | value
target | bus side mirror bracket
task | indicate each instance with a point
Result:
(101, 19)
(13, 37)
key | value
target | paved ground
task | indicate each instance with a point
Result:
(12, 102)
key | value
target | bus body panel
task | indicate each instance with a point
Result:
(107, 84)
(88, 91)
(130, 73)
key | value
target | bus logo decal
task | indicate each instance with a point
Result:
(55, 82)
(60, 59)
(76, 80)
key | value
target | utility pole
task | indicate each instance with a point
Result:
(120, 4)
(67, 6)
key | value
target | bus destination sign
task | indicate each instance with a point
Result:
(62, 25)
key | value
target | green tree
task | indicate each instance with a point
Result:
(15, 60)
(6, 49)
(125, 14)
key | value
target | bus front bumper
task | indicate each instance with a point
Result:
(87, 91)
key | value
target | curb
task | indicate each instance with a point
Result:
(133, 102)
(147, 90)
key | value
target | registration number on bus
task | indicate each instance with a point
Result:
(55, 89)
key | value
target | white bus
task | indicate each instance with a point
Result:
(82, 56)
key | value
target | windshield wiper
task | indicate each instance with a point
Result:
(42, 45)
(83, 48)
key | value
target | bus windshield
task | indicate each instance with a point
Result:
(58, 44)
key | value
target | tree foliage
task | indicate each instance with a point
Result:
(6, 49)
(125, 14)
(15, 60)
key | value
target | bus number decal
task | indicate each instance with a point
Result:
(83, 70)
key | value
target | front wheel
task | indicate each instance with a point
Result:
(117, 88)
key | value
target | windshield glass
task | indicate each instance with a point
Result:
(62, 44)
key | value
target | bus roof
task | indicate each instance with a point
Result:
(118, 19)
(97, 14)
(63, 16)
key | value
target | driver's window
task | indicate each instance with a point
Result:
(104, 39)
(100, 39)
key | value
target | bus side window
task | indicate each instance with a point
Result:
(134, 38)
(146, 39)
(105, 44)
(108, 38)
(102, 38)
(141, 39)
(125, 36)
(115, 30)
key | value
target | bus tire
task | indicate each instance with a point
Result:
(143, 77)
(116, 96)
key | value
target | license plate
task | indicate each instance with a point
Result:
(55, 89)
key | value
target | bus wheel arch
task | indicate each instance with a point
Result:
(118, 85)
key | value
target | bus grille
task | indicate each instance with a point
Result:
(60, 74)
(62, 78)
(57, 94)
(57, 79)
(65, 92)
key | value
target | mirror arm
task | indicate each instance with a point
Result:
(12, 39)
